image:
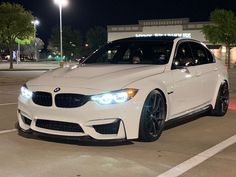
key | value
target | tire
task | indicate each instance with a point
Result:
(153, 117)
(222, 101)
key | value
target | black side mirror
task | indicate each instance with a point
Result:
(176, 64)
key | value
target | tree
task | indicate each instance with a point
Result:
(96, 37)
(72, 41)
(29, 49)
(15, 23)
(222, 29)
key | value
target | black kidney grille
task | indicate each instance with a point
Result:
(42, 98)
(70, 100)
(59, 126)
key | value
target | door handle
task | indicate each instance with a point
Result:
(185, 70)
(198, 74)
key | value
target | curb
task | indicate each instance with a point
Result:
(24, 70)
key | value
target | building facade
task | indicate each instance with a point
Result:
(181, 27)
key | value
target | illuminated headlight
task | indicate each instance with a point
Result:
(26, 93)
(115, 97)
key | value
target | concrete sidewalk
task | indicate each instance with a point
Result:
(30, 66)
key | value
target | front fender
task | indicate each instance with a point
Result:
(158, 82)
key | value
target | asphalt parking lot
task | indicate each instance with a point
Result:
(203, 147)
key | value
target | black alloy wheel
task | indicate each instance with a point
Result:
(153, 117)
(222, 102)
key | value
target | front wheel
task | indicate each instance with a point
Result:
(222, 101)
(153, 117)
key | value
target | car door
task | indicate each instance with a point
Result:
(187, 86)
(207, 70)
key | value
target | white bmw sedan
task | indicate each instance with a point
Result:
(126, 90)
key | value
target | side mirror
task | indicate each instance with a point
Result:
(176, 64)
(177, 67)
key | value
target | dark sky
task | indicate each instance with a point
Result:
(83, 14)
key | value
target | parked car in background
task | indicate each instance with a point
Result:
(126, 90)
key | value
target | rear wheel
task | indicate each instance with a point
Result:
(153, 117)
(222, 101)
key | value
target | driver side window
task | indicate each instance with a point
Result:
(183, 56)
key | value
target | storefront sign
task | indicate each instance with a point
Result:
(183, 35)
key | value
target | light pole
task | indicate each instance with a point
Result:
(35, 23)
(61, 3)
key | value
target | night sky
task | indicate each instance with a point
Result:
(83, 14)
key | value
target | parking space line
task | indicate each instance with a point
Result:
(198, 159)
(7, 131)
(8, 104)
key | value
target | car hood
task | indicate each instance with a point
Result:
(100, 77)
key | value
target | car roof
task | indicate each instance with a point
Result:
(146, 39)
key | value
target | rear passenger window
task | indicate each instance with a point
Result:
(210, 59)
(200, 54)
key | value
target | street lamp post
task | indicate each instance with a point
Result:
(35, 23)
(61, 3)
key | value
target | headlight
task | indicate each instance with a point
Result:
(26, 93)
(115, 97)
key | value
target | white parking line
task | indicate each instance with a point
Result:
(7, 131)
(198, 159)
(8, 104)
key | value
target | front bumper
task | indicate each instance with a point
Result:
(31, 134)
(112, 122)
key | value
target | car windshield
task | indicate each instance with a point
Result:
(136, 52)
